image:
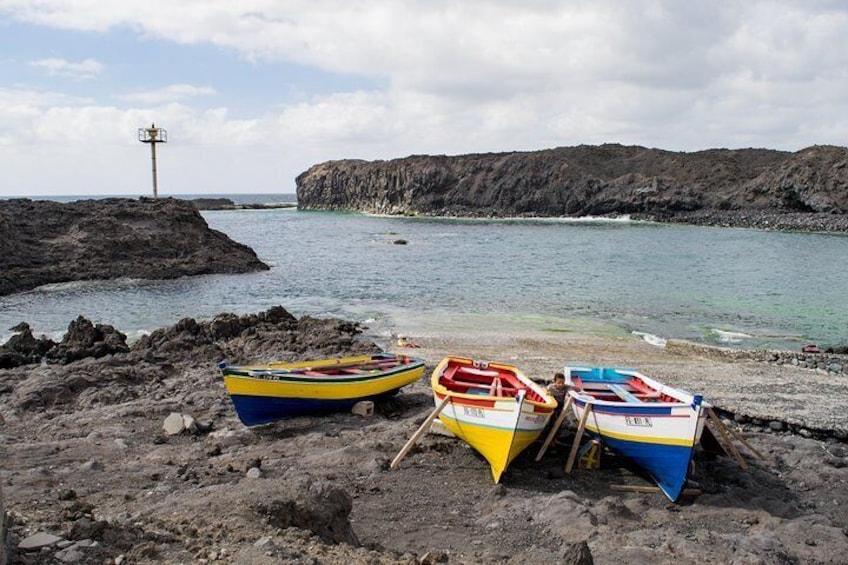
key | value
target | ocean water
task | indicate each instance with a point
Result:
(723, 286)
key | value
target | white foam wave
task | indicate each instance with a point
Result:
(91, 285)
(652, 339)
(729, 337)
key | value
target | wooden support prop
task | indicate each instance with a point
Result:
(570, 464)
(436, 411)
(723, 431)
(652, 489)
(742, 440)
(557, 425)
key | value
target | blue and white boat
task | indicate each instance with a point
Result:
(654, 425)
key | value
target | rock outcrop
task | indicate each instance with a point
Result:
(591, 180)
(45, 242)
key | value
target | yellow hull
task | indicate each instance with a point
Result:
(499, 447)
(250, 386)
(265, 393)
(497, 425)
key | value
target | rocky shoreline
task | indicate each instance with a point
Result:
(770, 220)
(44, 242)
(753, 188)
(95, 468)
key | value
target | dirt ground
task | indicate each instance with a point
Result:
(94, 467)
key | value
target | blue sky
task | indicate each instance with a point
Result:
(254, 92)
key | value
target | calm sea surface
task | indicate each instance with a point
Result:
(727, 286)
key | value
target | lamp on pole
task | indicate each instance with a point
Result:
(153, 135)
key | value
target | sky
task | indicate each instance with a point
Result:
(252, 93)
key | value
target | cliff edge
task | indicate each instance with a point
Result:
(45, 242)
(711, 186)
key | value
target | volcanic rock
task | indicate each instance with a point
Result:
(23, 347)
(45, 242)
(758, 187)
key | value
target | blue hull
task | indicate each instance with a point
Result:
(255, 410)
(668, 465)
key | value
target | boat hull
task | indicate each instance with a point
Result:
(267, 393)
(659, 436)
(499, 428)
(664, 450)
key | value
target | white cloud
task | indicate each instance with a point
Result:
(463, 77)
(82, 70)
(171, 93)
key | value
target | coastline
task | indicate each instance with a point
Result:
(94, 462)
(749, 385)
(756, 219)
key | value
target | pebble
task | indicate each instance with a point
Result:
(69, 555)
(174, 424)
(254, 473)
(776, 425)
(189, 423)
(91, 465)
(68, 494)
(37, 541)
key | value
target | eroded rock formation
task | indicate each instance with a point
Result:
(589, 180)
(45, 242)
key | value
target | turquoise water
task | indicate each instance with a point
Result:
(727, 286)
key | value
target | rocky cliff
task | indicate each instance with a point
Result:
(45, 242)
(589, 180)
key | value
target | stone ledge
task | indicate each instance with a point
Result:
(831, 362)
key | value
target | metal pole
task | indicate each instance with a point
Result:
(153, 157)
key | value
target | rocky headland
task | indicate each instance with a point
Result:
(761, 188)
(44, 242)
(132, 453)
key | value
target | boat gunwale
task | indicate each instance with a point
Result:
(683, 397)
(438, 387)
(270, 376)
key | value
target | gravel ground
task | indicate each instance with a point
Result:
(94, 467)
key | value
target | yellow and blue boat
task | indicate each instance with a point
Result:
(493, 406)
(275, 391)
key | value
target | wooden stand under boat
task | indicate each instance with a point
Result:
(654, 424)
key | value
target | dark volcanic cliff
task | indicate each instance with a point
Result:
(587, 180)
(47, 242)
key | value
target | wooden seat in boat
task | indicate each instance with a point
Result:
(625, 395)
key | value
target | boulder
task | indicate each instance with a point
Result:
(23, 348)
(85, 339)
